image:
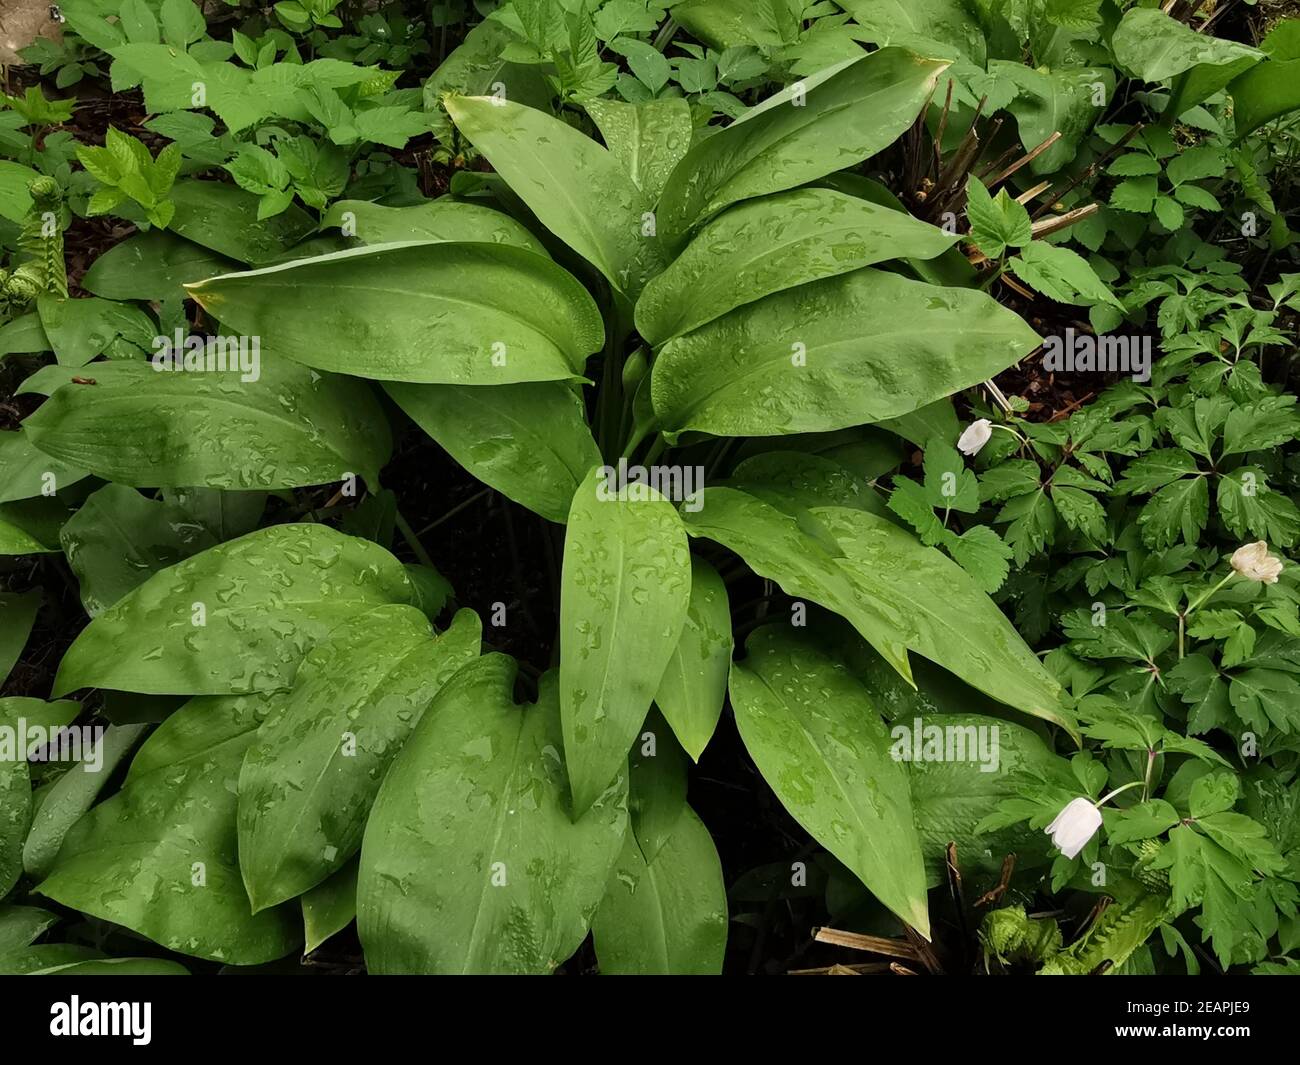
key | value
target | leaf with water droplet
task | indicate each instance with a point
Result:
(625, 589)
(471, 862)
(308, 782)
(822, 746)
(261, 612)
(160, 856)
(667, 916)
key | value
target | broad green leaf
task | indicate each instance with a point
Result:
(648, 138)
(471, 862)
(119, 538)
(1272, 88)
(784, 477)
(223, 218)
(656, 796)
(25, 471)
(152, 266)
(820, 743)
(15, 794)
(21, 925)
(72, 795)
(15, 200)
(529, 441)
(623, 603)
(23, 335)
(916, 23)
(667, 916)
(1066, 101)
(776, 243)
(824, 123)
(1156, 47)
(863, 347)
(938, 610)
(236, 618)
(329, 907)
(31, 526)
(731, 23)
(78, 330)
(444, 219)
(577, 189)
(141, 426)
(447, 313)
(775, 545)
(309, 779)
(160, 856)
(694, 685)
(17, 616)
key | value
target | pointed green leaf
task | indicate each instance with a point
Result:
(667, 917)
(529, 441)
(310, 777)
(827, 122)
(694, 684)
(236, 618)
(776, 243)
(863, 347)
(471, 862)
(625, 590)
(822, 746)
(446, 313)
(561, 173)
(160, 856)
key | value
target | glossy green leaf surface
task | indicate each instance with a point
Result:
(625, 591)
(648, 138)
(694, 684)
(119, 538)
(938, 610)
(847, 114)
(446, 313)
(775, 243)
(160, 856)
(667, 916)
(266, 599)
(471, 862)
(72, 795)
(529, 441)
(820, 743)
(775, 545)
(443, 219)
(148, 428)
(26, 471)
(309, 779)
(842, 351)
(560, 172)
(223, 218)
(329, 907)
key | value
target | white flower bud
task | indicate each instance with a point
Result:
(977, 434)
(1074, 826)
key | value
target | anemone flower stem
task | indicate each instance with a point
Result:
(1209, 595)
(1146, 780)
(1123, 787)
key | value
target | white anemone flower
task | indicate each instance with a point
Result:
(1074, 826)
(977, 434)
(1255, 563)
